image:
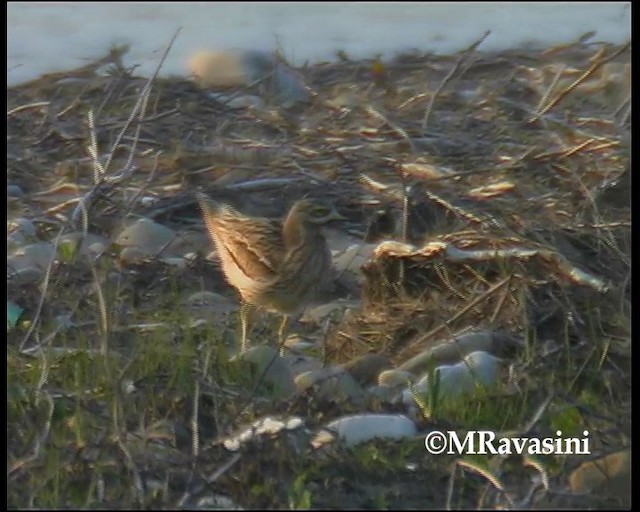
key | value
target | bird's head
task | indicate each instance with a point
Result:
(315, 211)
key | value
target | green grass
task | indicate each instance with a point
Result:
(70, 414)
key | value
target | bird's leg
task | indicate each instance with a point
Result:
(281, 333)
(245, 309)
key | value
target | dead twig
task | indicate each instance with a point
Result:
(599, 62)
(462, 59)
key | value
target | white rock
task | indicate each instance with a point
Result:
(298, 343)
(485, 366)
(478, 368)
(216, 502)
(331, 384)
(317, 313)
(267, 426)
(147, 235)
(393, 378)
(352, 258)
(353, 430)
(450, 352)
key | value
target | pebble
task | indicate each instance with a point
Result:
(227, 68)
(331, 384)
(146, 235)
(14, 191)
(366, 368)
(478, 368)
(356, 429)
(278, 377)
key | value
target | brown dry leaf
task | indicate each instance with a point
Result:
(495, 189)
(425, 171)
(612, 470)
(58, 194)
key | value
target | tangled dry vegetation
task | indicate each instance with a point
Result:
(500, 183)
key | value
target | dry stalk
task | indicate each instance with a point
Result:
(599, 62)
(447, 323)
(463, 58)
(28, 106)
(549, 90)
(378, 115)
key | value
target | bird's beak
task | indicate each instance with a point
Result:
(334, 215)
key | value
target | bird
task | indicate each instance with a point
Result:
(282, 267)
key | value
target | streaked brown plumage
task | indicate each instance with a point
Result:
(282, 267)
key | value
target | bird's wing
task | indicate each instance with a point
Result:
(254, 245)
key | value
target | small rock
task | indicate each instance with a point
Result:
(393, 378)
(96, 249)
(353, 430)
(478, 368)
(331, 384)
(33, 255)
(176, 262)
(387, 395)
(218, 68)
(300, 363)
(74, 238)
(24, 226)
(243, 101)
(14, 191)
(211, 299)
(15, 240)
(352, 258)
(225, 68)
(366, 368)
(216, 502)
(278, 376)
(186, 242)
(146, 235)
(451, 351)
(297, 343)
(317, 313)
(267, 426)
(132, 255)
(25, 276)
(210, 306)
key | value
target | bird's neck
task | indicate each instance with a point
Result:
(295, 233)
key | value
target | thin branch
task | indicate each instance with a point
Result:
(463, 57)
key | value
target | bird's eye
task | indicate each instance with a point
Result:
(321, 211)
